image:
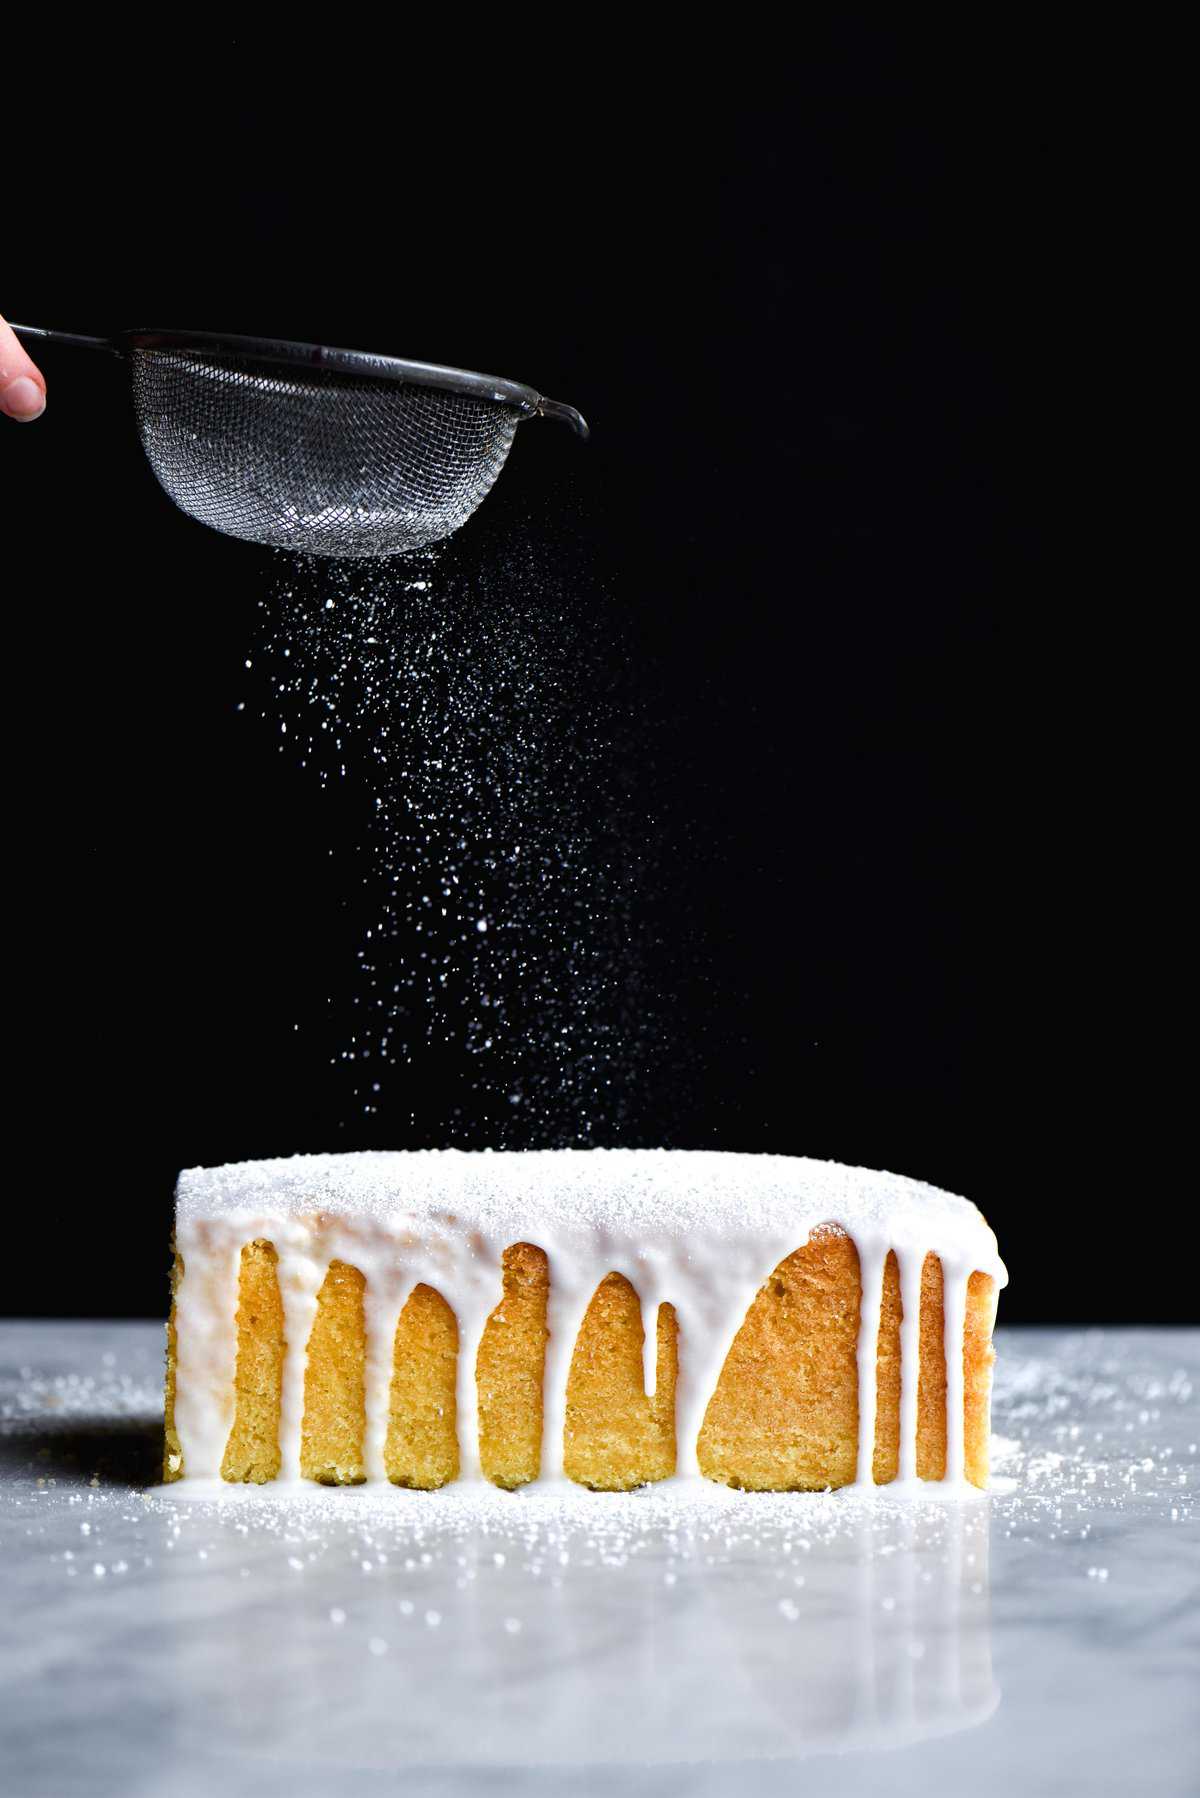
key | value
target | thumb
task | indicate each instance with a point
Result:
(22, 384)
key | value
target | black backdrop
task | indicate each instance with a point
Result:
(809, 537)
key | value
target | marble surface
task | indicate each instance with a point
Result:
(1043, 1640)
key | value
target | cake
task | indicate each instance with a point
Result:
(612, 1316)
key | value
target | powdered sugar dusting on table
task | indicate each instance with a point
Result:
(716, 1625)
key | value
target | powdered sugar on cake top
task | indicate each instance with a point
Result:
(652, 1193)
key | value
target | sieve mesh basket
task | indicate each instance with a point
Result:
(331, 452)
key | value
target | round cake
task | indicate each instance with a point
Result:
(615, 1316)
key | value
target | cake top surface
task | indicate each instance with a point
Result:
(513, 1195)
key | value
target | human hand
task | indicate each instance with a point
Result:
(22, 384)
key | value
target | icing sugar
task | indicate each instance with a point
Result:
(699, 1229)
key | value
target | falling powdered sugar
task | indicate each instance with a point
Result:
(477, 724)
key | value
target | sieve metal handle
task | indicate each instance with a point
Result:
(568, 415)
(68, 337)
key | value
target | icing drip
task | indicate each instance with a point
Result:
(300, 1278)
(954, 1304)
(206, 1350)
(470, 1333)
(649, 1346)
(700, 1231)
(871, 1268)
(911, 1267)
(382, 1305)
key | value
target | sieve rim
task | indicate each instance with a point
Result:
(281, 352)
(252, 352)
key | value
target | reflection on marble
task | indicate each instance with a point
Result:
(881, 1640)
(707, 1643)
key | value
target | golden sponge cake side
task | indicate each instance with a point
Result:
(172, 1447)
(252, 1452)
(615, 1436)
(421, 1449)
(509, 1369)
(783, 1415)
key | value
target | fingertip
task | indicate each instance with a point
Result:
(23, 399)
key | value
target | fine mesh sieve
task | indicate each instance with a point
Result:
(333, 452)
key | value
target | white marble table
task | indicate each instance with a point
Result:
(1044, 1640)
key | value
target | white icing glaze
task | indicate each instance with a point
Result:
(954, 1305)
(871, 1269)
(911, 1265)
(699, 1230)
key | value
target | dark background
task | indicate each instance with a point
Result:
(812, 330)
